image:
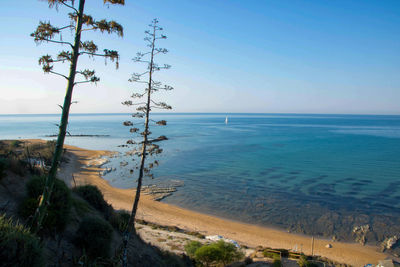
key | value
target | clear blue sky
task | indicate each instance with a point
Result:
(227, 56)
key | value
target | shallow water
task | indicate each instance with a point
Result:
(319, 174)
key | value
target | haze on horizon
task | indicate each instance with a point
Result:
(236, 56)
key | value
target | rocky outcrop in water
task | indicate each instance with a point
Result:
(98, 162)
(159, 192)
(123, 163)
(107, 170)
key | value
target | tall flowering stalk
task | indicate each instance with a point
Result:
(46, 32)
(143, 102)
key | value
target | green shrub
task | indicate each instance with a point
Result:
(208, 255)
(28, 207)
(303, 261)
(18, 247)
(3, 167)
(119, 220)
(94, 197)
(219, 252)
(196, 234)
(229, 252)
(16, 165)
(94, 236)
(171, 259)
(248, 260)
(270, 254)
(277, 263)
(81, 206)
(15, 143)
(191, 248)
(276, 257)
(58, 212)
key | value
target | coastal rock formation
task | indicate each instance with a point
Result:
(123, 163)
(97, 162)
(390, 242)
(360, 233)
(108, 170)
(158, 193)
(161, 191)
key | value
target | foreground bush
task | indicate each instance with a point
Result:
(215, 253)
(192, 247)
(18, 247)
(93, 196)
(270, 254)
(119, 220)
(3, 167)
(58, 212)
(94, 236)
(303, 262)
(277, 263)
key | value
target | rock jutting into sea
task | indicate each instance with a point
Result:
(97, 162)
(108, 170)
(159, 192)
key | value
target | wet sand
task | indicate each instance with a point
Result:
(165, 214)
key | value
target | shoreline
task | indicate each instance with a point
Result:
(77, 171)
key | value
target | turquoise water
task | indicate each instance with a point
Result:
(320, 174)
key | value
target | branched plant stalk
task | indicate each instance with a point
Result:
(148, 148)
(46, 32)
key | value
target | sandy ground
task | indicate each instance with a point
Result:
(165, 214)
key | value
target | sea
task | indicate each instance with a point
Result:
(313, 174)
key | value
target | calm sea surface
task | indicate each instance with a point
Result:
(319, 174)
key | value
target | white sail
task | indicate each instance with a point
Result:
(226, 120)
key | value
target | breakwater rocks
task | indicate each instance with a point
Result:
(160, 191)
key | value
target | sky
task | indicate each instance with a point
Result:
(258, 56)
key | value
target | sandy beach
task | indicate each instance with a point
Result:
(77, 171)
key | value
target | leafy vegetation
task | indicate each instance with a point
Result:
(93, 195)
(94, 236)
(18, 247)
(213, 254)
(15, 143)
(119, 220)
(270, 254)
(59, 209)
(277, 263)
(303, 262)
(191, 248)
(42, 151)
(22, 157)
(3, 167)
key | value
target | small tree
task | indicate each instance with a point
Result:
(143, 108)
(217, 253)
(191, 248)
(48, 33)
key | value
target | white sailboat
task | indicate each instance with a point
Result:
(226, 120)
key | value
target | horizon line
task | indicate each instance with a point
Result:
(199, 113)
